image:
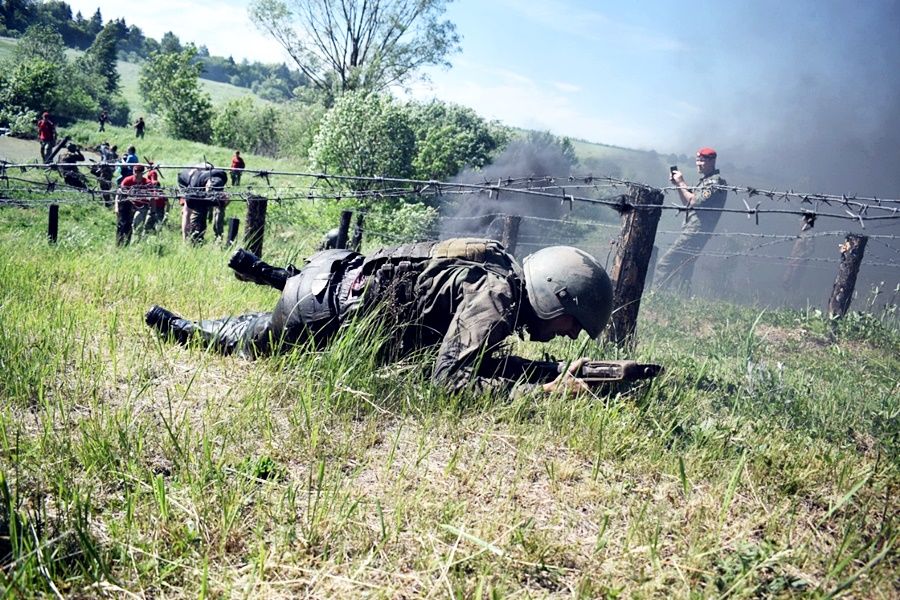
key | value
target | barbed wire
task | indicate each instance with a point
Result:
(502, 183)
(621, 205)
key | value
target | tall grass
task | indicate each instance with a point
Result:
(763, 462)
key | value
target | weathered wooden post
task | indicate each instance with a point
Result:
(124, 216)
(53, 223)
(510, 235)
(356, 240)
(233, 225)
(632, 259)
(852, 251)
(343, 229)
(256, 224)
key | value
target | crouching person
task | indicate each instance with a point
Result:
(465, 296)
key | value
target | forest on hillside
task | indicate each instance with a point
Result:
(275, 82)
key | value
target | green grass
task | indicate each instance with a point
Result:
(764, 462)
(219, 92)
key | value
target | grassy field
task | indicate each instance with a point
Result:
(764, 462)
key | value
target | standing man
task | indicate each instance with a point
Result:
(46, 135)
(237, 163)
(129, 159)
(134, 191)
(102, 119)
(677, 264)
(139, 127)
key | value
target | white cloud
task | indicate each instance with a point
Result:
(223, 26)
(519, 101)
(593, 25)
(569, 88)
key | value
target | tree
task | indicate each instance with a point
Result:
(451, 137)
(95, 25)
(170, 85)
(17, 15)
(40, 41)
(365, 134)
(359, 44)
(170, 43)
(100, 59)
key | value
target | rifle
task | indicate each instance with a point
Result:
(600, 372)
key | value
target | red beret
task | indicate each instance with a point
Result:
(706, 152)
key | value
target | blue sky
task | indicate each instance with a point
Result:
(760, 81)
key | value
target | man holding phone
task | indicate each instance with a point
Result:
(677, 264)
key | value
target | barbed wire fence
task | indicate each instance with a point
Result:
(53, 188)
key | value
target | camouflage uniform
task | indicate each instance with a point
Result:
(677, 264)
(465, 296)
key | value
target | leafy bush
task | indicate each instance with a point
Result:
(246, 125)
(117, 108)
(20, 121)
(450, 138)
(365, 135)
(394, 221)
(298, 124)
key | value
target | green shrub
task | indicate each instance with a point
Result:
(365, 135)
(246, 125)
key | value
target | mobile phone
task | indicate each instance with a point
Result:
(673, 168)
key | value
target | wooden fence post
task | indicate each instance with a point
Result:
(256, 224)
(53, 223)
(343, 229)
(233, 225)
(124, 216)
(632, 259)
(852, 251)
(356, 240)
(510, 236)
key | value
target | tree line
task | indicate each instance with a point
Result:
(274, 82)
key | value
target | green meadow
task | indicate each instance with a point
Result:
(763, 462)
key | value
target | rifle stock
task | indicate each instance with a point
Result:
(599, 372)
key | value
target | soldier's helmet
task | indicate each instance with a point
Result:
(565, 280)
(71, 147)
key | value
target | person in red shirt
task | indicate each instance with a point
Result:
(158, 201)
(137, 191)
(46, 134)
(237, 163)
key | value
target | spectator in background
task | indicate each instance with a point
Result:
(202, 188)
(104, 171)
(103, 119)
(158, 200)
(129, 159)
(237, 163)
(139, 127)
(46, 135)
(134, 190)
(677, 264)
